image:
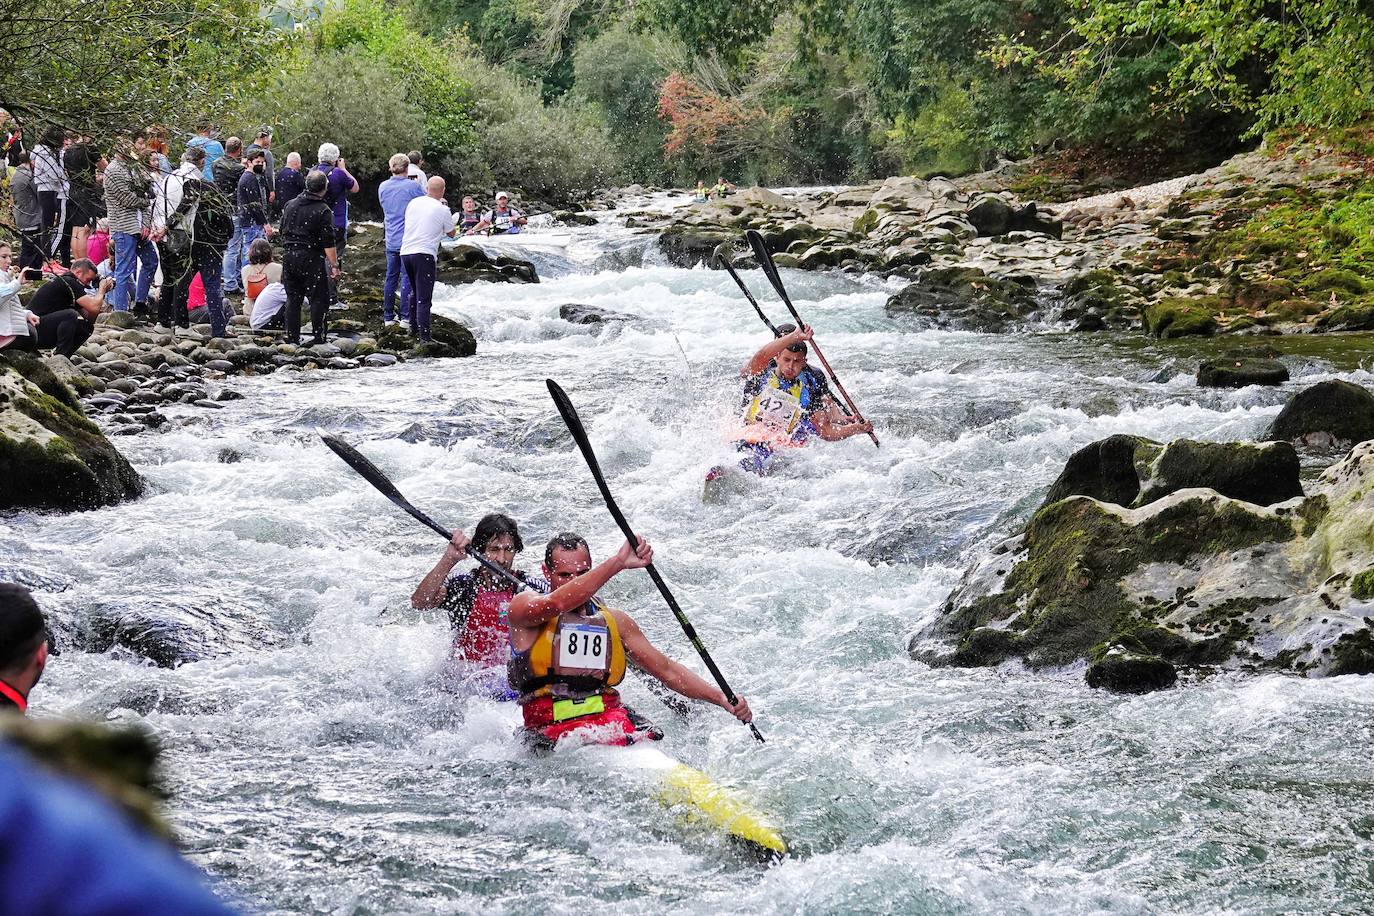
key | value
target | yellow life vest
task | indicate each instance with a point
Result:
(574, 656)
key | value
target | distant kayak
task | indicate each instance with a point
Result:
(526, 241)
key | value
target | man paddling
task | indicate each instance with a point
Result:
(786, 403)
(478, 601)
(569, 651)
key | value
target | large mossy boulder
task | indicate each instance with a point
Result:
(688, 246)
(1170, 318)
(1133, 471)
(1190, 582)
(965, 298)
(1342, 410)
(51, 456)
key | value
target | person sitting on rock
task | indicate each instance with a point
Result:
(264, 296)
(503, 219)
(25, 645)
(67, 306)
(786, 403)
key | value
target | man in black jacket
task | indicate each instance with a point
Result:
(310, 259)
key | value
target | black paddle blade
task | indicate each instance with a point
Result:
(358, 462)
(584, 445)
(770, 270)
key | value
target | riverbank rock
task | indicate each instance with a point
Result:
(964, 298)
(51, 456)
(1239, 372)
(1188, 582)
(1342, 410)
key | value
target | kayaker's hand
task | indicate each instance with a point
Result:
(740, 710)
(630, 558)
(457, 547)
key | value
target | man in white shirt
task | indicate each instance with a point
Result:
(414, 172)
(428, 220)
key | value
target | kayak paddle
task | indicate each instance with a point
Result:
(584, 445)
(723, 262)
(770, 270)
(373, 475)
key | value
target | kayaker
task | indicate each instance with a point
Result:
(722, 187)
(477, 601)
(702, 195)
(786, 403)
(569, 651)
(24, 646)
(468, 217)
(503, 218)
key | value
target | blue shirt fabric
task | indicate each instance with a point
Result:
(337, 193)
(213, 150)
(290, 185)
(394, 194)
(65, 850)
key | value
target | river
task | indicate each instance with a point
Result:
(319, 765)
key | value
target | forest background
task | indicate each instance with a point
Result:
(556, 98)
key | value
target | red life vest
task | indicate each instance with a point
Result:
(485, 637)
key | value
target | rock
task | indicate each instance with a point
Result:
(346, 345)
(965, 298)
(334, 362)
(1178, 318)
(228, 394)
(229, 456)
(1133, 471)
(1238, 373)
(122, 320)
(170, 633)
(990, 215)
(220, 365)
(378, 360)
(764, 198)
(1340, 409)
(51, 456)
(589, 314)
(1121, 671)
(570, 218)
(134, 337)
(687, 246)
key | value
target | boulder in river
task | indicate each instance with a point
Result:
(589, 314)
(1342, 410)
(1191, 581)
(1179, 318)
(51, 456)
(170, 633)
(964, 298)
(1239, 372)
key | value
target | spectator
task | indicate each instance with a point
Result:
(64, 849)
(174, 216)
(28, 219)
(129, 198)
(210, 235)
(414, 172)
(264, 294)
(11, 140)
(290, 182)
(307, 231)
(205, 139)
(84, 204)
(98, 245)
(50, 180)
(16, 322)
(263, 141)
(341, 184)
(228, 170)
(157, 143)
(24, 646)
(229, 167)
(428, 220)
(67, 306)
(395, 193)
(251, 213)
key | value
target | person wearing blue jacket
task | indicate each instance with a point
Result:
(395, 193)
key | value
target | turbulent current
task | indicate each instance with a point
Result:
(321, 763)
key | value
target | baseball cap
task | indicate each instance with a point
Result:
(501, 194)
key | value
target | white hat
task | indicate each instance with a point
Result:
(501, 194)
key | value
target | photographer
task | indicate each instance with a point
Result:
(67, 306)
(129, 199)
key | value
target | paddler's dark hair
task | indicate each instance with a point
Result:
(565, 541)
(493, 525)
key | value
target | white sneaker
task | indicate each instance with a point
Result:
(338, 307)
(161, 329)
(393, 323)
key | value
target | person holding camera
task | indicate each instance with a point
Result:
(129, 197)
(67, 306)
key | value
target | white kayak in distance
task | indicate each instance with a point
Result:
(552, 242)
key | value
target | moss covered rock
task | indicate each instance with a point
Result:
(1121, 671)
(965, 298)
(1341, 409)
(51, 456)
(1170, 318)
(1229, 372)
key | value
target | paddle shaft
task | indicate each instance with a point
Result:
(584, 445)
(770, 270)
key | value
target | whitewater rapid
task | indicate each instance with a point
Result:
(319, 765)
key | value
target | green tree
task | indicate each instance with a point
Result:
(620, 72)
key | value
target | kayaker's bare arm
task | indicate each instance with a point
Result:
(758, 364)
(430, 592)
(529, 610)
(674, 676)
(834, 426)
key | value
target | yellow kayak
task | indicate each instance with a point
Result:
(697, 799)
